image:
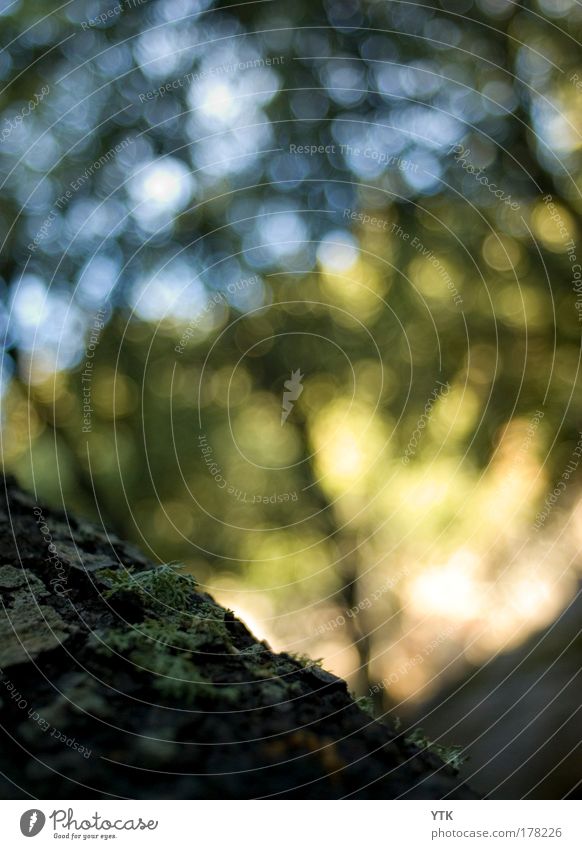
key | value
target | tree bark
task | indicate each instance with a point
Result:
(120, 678)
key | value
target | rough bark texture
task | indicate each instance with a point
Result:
(118, 678)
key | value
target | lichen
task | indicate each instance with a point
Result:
(27, 629)
(12, 578)
(165, 636)
(183, 639)
(165, 650)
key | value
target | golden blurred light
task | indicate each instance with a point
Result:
(375, 379)
(348, 439)
(533, 598)
(113, 394)
(52, 389)
(577, 528)
(502, 253)
(434, 277)
(259, 434)
(453, 591)
(319, 391)
(513, 480)
(25, 424)
(358, 293)
(553, 226)
(526, 598)
(562, 127)
(522, 306)
(229, 387)
(455, 413)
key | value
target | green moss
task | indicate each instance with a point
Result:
(163, 589)
(366, 703)
(305, 661)
(451, 755)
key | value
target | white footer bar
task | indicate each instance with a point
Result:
(293, 824)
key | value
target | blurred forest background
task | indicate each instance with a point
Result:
(200, 199)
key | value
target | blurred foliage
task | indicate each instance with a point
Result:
(211, 197)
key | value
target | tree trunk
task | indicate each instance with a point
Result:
(119, 678)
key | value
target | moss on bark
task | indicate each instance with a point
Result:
(120, 678)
